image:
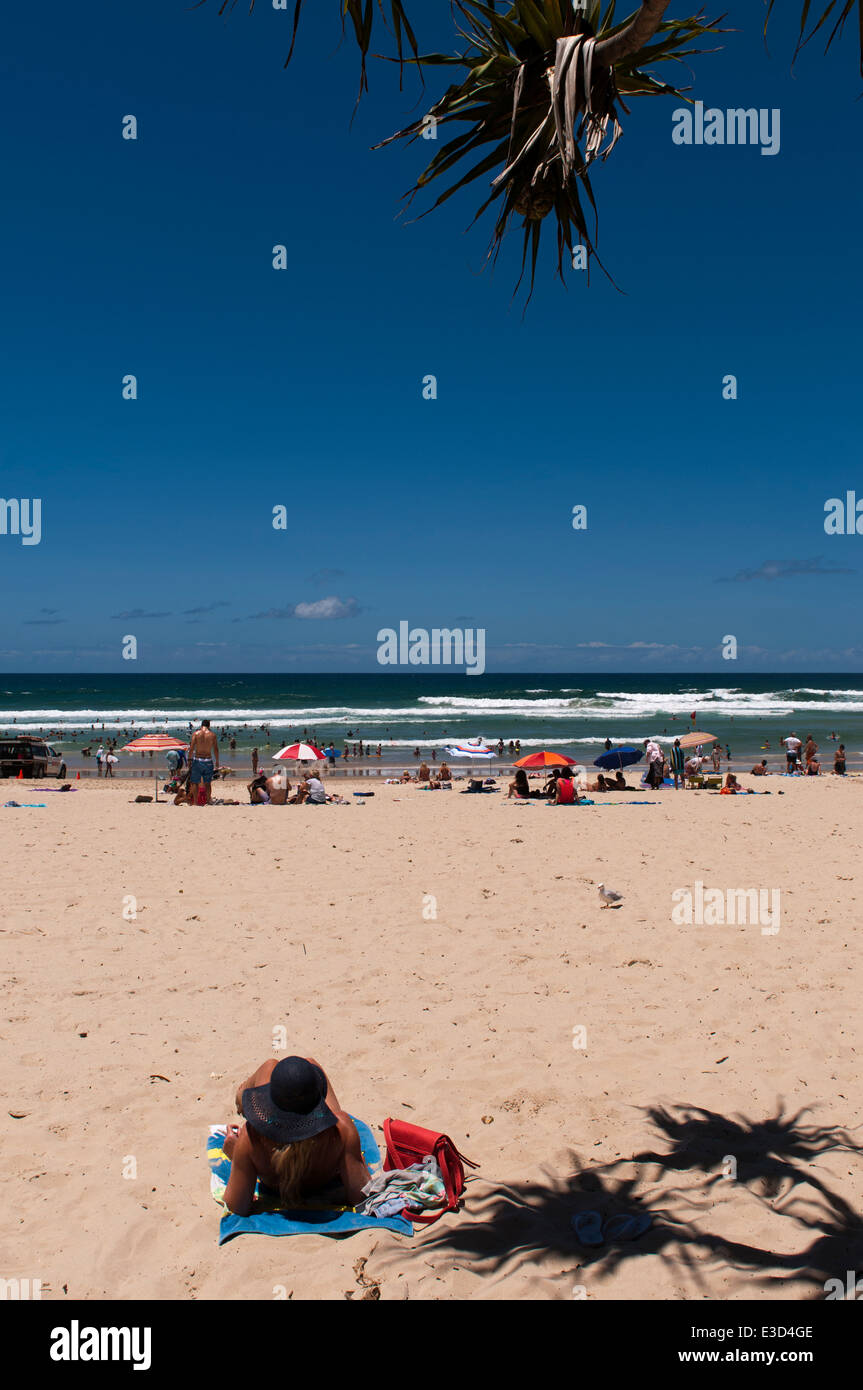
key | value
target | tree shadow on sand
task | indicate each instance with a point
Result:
(768, 1155)
(503, 1228)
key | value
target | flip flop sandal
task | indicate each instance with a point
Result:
(588, 1227)
(628, 1226)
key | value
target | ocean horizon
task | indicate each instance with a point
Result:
(404, 711)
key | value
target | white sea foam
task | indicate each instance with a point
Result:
(538, 705)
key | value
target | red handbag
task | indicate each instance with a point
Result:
(408, 1144)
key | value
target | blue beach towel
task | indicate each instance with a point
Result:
(315, 1217)
(628, 803)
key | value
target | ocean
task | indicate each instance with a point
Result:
(401, 712)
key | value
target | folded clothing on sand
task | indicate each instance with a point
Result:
(415, 1189)
(323, 1215)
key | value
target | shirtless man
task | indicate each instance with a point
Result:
(286, 1104)
(203, 758)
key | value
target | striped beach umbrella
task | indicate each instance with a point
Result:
(300, 753)
(692, 740)
(155, 743)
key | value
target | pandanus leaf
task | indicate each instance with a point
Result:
(842, 17)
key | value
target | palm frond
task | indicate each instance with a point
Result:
(841, 18)
(363, 15)
(541, 110)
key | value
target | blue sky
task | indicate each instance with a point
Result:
(304, 387)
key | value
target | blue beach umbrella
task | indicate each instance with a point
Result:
(619, 757)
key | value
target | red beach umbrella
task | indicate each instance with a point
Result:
(545, 760)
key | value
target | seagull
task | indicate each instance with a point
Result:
(608, 896)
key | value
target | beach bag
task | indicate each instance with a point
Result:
(407, 1144)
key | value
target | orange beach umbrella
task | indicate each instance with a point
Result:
(545, 760)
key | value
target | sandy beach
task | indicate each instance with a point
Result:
(126, 1039)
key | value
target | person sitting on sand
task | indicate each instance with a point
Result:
(549, 791)
(444, 774)
(302, 791)
(279, 787)
(813, 768)
(406, 776)
(258, 792)
(606, 783)
(518, 787)
(565, 793)
(185, 795)
(423, 774)
(316, 795)
(296, 1139)
(760, 769)
(732, 784)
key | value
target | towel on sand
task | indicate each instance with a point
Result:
(318, 1216)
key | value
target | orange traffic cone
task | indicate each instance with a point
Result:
(77, 776)
(20, 773)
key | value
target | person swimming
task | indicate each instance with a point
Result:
(296, 1139)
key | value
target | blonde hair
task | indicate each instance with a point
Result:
(292, 1163)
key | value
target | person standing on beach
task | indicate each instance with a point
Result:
(792, 750)
(100, 753)
(254, 760)
(654, 762)
(839, 761)
(203, 759)
(810, 750)
(678, 758)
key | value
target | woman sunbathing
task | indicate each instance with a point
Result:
(518, 787)
(296, 1140)
(732, 785)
